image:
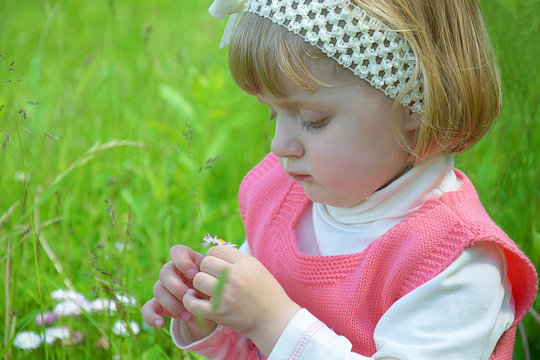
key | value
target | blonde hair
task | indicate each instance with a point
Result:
(454, 60)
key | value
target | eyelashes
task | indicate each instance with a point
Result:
(306, 124)
(313, 125)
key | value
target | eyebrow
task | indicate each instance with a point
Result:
(294, 102)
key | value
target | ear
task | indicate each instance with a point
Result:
(410, 121)
(410, 125)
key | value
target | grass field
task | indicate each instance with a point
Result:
(122, 134)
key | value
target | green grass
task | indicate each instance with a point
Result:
(120, 123)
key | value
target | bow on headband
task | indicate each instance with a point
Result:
(220, 9)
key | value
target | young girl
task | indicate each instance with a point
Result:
(363, 241)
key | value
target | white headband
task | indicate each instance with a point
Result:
(342, 31)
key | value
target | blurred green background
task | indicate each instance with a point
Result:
(122, 133)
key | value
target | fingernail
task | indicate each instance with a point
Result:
(158, 322)
(186, 315)
(191, 273)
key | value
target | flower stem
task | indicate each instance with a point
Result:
(7, 296)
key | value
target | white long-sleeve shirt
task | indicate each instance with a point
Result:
(459, 314)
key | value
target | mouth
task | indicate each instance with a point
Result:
(299, 176)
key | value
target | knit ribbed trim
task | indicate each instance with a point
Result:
(337, 266)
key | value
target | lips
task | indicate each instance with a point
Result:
(299, 176)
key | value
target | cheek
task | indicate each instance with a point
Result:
(364, 163)
(333, 165)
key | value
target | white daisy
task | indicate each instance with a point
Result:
(121, 246)
(55, 333)
(67, 308)
(126, 300)
(27, 340)
(121, 328)
(209, 240)
(61, 294)
(101, 304)
(21, 177)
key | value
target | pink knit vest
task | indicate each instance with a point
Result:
(350, 293)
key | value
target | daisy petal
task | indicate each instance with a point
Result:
(27, 340)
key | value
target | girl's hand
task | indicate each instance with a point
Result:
(175, 279)
(245, 297)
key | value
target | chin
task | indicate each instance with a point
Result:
(329, 200)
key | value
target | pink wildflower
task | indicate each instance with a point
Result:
(208, 240)
(48, 318)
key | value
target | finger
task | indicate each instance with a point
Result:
(151, 314)
(173, 281)
(205, 283)
(227, 253)
(186, 260)
(154, 307)
(214, 266)
(168, 301)
(197, 306)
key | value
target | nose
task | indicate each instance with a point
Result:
(286, 143)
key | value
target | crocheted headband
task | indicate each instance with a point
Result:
(342, 31)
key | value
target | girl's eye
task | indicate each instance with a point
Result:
(272, 116)
(314, 125)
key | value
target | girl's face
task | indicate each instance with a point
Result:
(338, 142)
